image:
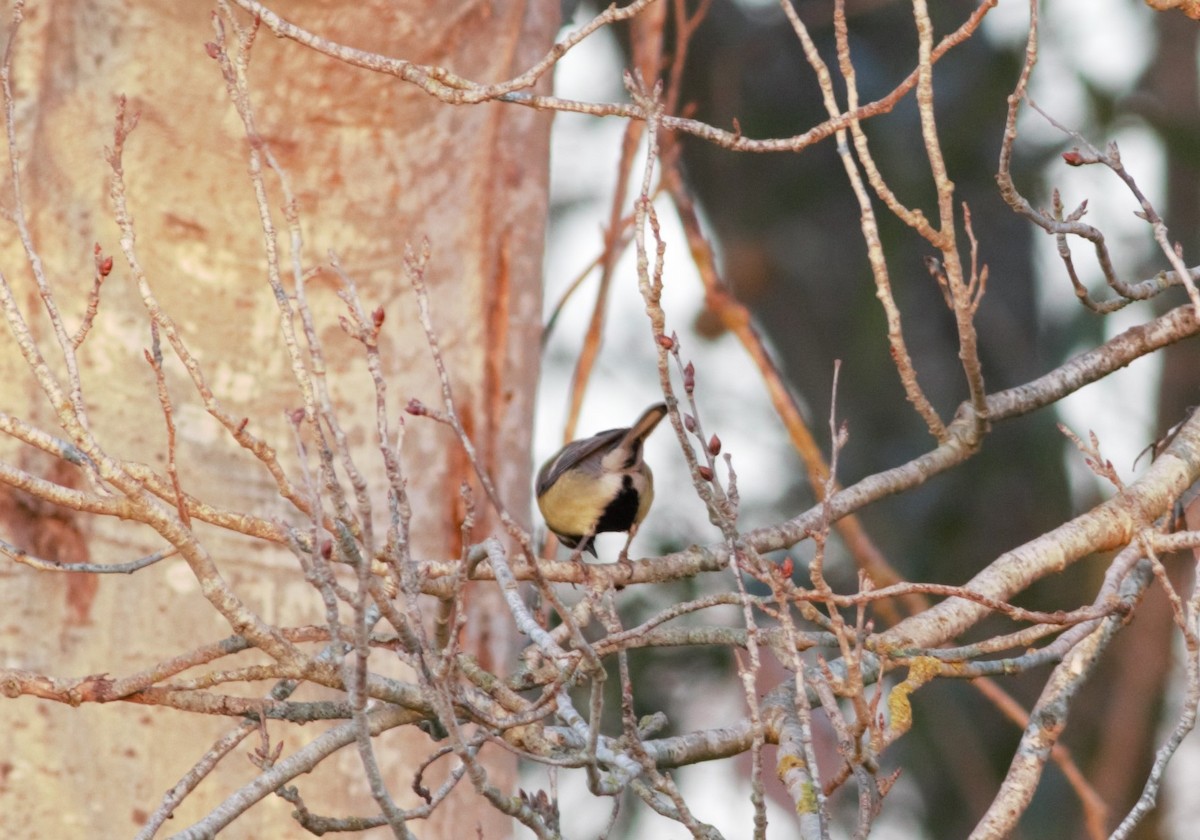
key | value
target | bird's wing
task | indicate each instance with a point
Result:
(575, 453)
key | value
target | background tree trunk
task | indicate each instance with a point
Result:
(374, 164)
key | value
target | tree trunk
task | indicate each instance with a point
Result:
(374, 164)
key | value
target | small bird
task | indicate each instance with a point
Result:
(599, 484)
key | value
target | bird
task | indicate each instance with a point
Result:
(599, 484)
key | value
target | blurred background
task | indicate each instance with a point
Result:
(786, 229)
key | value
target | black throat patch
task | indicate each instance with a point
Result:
(622, 510)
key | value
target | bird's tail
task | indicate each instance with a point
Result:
(645, 424)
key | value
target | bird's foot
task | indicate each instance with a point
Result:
(626, 567)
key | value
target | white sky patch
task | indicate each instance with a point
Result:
(591, 70)
(1108, 42)
(1007, 23)
(584, 150)
(1105, 40)
(1101, 38)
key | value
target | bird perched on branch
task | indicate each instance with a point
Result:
(599, 484)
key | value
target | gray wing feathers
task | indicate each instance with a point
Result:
(576, 452)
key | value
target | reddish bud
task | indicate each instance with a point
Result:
(705, 472)
(326, 549)
(786, 568)
(689, 423)
(377, 317)
(416, 408)
(297, 416)
(665, 341)
(689, 378)
(1073, 158)
(96, 250)
(714, 445)
(212, 49)
(241, 427)
(105, 266)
